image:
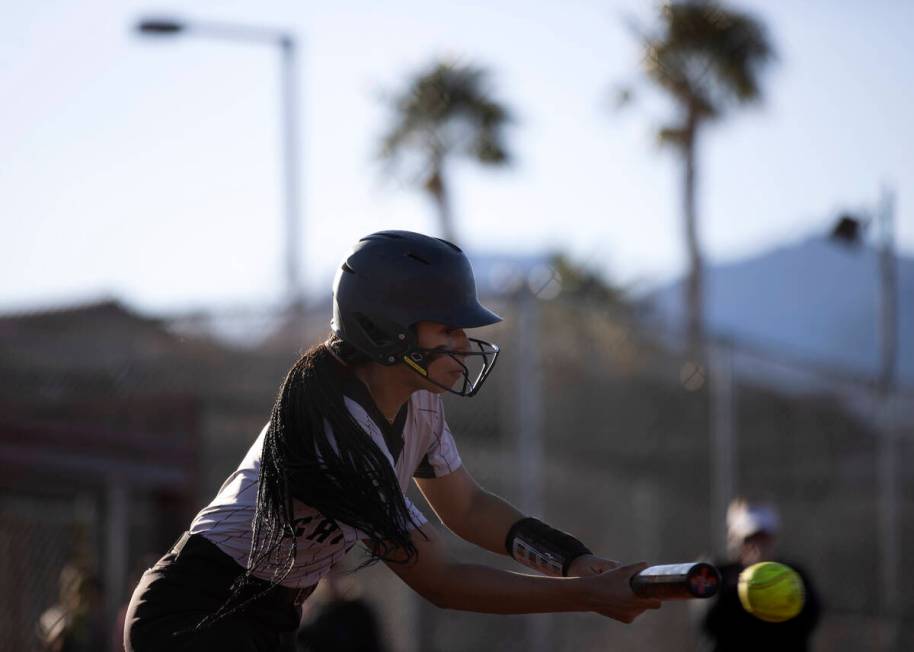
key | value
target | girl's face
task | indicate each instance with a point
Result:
(443, 369)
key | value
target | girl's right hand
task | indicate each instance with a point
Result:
(610, 594)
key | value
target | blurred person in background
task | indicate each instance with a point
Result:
(357, 417)
(337, 618)
(75, 623)
(752, 532)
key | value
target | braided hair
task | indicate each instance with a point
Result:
(345, 476)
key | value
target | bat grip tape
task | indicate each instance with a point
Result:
(543, 548)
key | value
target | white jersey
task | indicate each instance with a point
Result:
(418, 444)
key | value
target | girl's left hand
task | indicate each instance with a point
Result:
(587, 565)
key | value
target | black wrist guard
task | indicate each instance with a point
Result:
(543, 548)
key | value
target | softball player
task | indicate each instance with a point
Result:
(357, 418)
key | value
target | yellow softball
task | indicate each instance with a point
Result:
(770, 591)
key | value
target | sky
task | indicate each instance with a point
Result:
(151, 170)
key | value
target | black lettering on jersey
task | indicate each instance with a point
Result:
(300, 524)
(323, 530)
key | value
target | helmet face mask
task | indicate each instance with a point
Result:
(391, 281)
(475, 365)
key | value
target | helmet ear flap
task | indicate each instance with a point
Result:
(390, 341)
(371, 332)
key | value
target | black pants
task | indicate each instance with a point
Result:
(192, 582)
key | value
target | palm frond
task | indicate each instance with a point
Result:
(447, 110)
(707, 56)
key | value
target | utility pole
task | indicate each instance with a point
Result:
(887, 463)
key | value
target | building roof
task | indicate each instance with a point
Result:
(816, 300)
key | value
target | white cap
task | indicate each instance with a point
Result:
(745, 519)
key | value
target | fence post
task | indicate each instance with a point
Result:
(528, 385)
(117, 506)
(887, 509)
(724, 455)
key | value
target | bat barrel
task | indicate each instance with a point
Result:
(677, 581)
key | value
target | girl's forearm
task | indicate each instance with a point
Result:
(473, 587)
(489, 522)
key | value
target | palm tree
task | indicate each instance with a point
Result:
(707, 58)
(446, 111)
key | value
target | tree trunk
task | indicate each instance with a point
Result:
(438, 190)
(694, 298)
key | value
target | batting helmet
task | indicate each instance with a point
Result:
(393, 279)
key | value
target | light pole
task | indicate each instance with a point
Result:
(847, 230)
(285, 41)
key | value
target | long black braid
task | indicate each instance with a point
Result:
(347, 478)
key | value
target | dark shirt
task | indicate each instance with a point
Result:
(342, 626)
(731, 628)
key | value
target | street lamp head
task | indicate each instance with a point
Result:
(160, 26)
(848, 229)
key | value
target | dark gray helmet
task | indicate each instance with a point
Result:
(393, 279)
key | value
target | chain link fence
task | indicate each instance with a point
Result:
(640, 449)
(590, 421)
(39, 535)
